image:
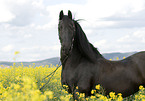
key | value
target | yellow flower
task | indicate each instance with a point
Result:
(82, 94)
(119, 94)
(62, 98)
(93, 91)
(65, 86)
(141, 87)
(16, 52)
(42, 97)
(98, 95)
(87, 99)
(117, 58)
(120, 98)
(93, 97)
(77, 87)
(14, 64)
(104, 98)
(16, 86)
(77, 93)
(112, 95)
(136, 96)
(49, 93)
(98, 87)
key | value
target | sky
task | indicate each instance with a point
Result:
(31, 26)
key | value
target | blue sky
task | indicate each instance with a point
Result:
(30, 26)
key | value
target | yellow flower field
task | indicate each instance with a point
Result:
(19, 83)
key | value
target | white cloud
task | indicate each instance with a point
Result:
(113, 13)
(24, 11)
(135, 38)
(125, 38)
(38, 3)
(27, 35)
(140, 33)
(100, 43)
(48, 26)
(5, 14)
(56, 47)
(41, 48)
(8, 48)
(32, 25)
(33, 55)
(95, 9)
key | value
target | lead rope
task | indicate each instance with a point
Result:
(52, 73)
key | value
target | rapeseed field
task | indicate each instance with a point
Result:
(20, 83)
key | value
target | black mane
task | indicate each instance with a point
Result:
(86, 48)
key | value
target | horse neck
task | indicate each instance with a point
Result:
(86, 49)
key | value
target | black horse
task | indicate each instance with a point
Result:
(85, 67)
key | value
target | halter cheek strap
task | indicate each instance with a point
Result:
(71, 47)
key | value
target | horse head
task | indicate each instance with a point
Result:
(66, 29)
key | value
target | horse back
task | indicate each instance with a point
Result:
(139, 60)
(122, 76)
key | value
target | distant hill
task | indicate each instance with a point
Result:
(55, 60)
(114, 56)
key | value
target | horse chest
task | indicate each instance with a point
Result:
(68, 76)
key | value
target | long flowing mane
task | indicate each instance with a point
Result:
(86, 48)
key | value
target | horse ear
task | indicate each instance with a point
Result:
(61, 15)
(69, 14)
